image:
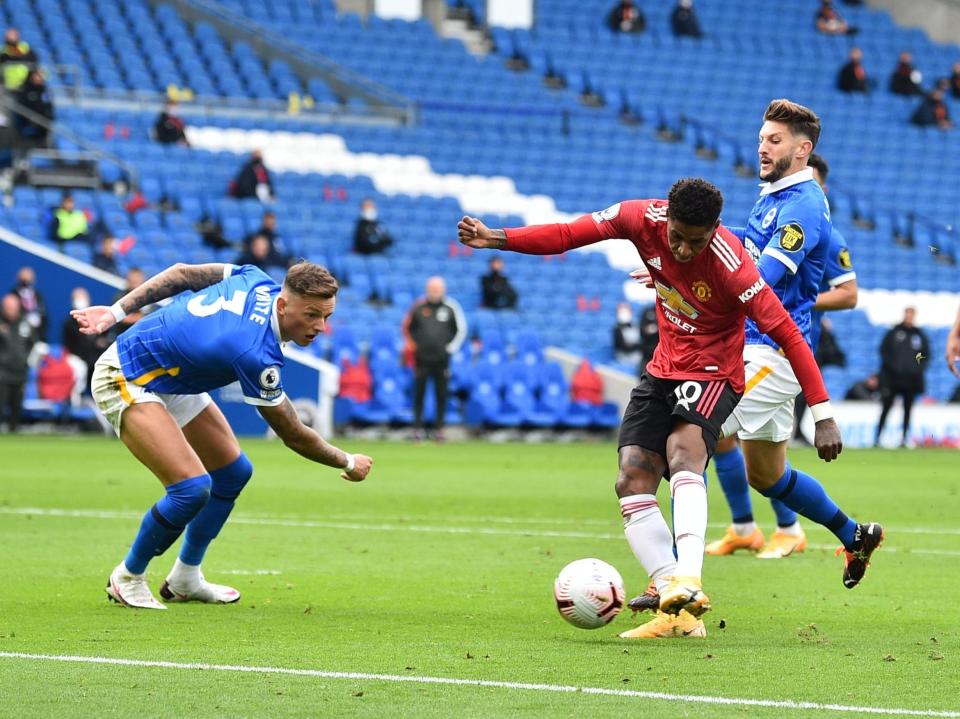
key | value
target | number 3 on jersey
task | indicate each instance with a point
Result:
(235, 304)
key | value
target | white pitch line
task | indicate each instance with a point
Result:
(400, 527)
(453, 681)
(469, 519)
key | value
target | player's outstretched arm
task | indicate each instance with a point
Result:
(172, 281)
(285, 421)
(473, 233)
(953, 347)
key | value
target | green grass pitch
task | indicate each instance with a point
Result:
(441, 565)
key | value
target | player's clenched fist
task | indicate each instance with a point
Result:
(361, 468)
(473, 233)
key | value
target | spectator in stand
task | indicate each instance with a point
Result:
(828, 350)
(932, 111)
(852, 76)
(16, 340)
(626, 17)
(86, 347)
(953, 82)
(33, 96)
(906, 79)
(32, 305)
(904, 353)
(498, 293)
(253, 180)
(684, 20)
(277, 254)
(830, 22)
(211, 232)
(106, 257)
(258, 254)
(586, 385)
(16, 59)
(135, 278)
(865, 390)
(436, 327)
(169, 129)
(649, 335)
(626, 337)
(69, 224)
(356, 380)
(369, 236)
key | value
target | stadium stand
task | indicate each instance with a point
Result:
(499, 144)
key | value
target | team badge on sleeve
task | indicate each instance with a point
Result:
(607, 214)
(791, 237)
(843, 258)
(270, 378)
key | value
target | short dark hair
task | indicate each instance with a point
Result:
(819, 164)
(801, 120)
(695, 202)
(309, 280)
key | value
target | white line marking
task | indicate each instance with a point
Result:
(453, 681)
(253, 572)
(398, 527)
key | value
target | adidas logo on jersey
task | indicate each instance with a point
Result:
(654, 262)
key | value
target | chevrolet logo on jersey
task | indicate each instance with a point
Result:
(674, 300)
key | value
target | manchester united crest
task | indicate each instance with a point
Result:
(701, 290)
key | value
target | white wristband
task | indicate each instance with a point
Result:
(117, 311)
(822, 411)
(351, 462)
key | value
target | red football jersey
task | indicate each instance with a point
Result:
(701, 304)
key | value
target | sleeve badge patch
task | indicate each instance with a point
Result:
(270, 378)
(791, 237)
(607, 214)
(844, 259)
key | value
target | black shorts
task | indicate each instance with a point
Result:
(656, 405)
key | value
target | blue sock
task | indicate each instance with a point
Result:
(786, 517)
(165, 521)
(228, 482)
(806, 496)
(732, 474)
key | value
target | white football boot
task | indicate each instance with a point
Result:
(131, 590)
(186, 584)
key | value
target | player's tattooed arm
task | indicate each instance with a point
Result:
(172, 281)
(284, 420)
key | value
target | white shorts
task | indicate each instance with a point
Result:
(766, 409)
(113, 393)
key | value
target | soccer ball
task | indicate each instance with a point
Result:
(589, 593)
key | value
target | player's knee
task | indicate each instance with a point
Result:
(637, 475)
(185, 499)
(229, 481)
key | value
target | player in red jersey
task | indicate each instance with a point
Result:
(706, 284)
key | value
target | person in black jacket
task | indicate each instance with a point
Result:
(253, 180)
(86, 347)
(436, 327)
(684, 21)
(278, 254)
(498, 293)
(169, 129)
(932, 112)
(369, 236)
(16, 339)
(903, 353)
(852, 76)
(626, 17)
(33, 95)
(906, 78)
(626, 337)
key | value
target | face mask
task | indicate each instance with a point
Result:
(80, 304)
(624, 318)
(369, 214)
